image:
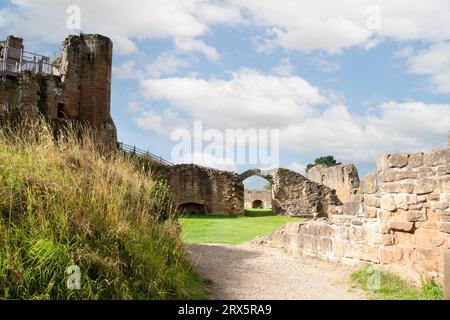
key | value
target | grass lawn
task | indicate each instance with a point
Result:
(233, 230)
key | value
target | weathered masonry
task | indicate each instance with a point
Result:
(342, 178)
(258, 199)
(204, 190)
(74, 86)
(401, 219)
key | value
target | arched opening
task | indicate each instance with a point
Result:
(257, 195)
(192, 208)
(257, 204)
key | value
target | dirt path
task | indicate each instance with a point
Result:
(249, 271)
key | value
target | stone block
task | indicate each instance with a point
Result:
(445, 227)
(402, 200)
(390, 255)
(384, 239)
(398, 160)
(370, 184)
(433, 197)
(415, 215)
(424, 186)
(417, 206)
(371, 200)
(370, 212)
(401, 226)
(415, 160)
(397, 187)
(427, 238)
(443, 184)
(439, 205)
(388, 203)
(382, 163)
(437, 157)
(353, 208)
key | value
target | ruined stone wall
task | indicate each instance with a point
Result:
(82, 91)
(342, 178)
(400, 221)
(220, 192)
(295, 195)
(263, 195)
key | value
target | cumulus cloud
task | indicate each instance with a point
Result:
(327, 25)
(123, 22)
(333, 26)
(165, 64)
(310, 120)
(191, 45)
(433, 62)
(248, 97)
(284, 68)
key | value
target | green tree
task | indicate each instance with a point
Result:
(327, 161)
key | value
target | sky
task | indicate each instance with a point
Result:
(352, 78)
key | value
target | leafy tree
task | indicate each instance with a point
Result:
(327, 161)
(268, 186)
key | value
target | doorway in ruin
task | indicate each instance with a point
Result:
(257, 204)
(192, 208)
(257, 193)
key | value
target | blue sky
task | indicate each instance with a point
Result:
(353, 79)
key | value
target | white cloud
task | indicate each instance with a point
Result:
(127, 71)
(333, 26)
(310, 120)
(297, 167)
(123, 22)
(324, 64)
(284, 68)
(328, 25)
(249, 97)
(435, 63)
(191, 45)
(165, 64)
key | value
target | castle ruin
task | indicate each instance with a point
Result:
(73, 86)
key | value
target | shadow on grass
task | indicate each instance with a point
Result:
(252, 213)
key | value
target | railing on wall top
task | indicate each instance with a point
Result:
(142, 153)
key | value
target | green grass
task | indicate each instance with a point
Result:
(393, 287)
(231, 230)
(64, 203)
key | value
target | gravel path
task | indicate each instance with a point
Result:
(249, 271)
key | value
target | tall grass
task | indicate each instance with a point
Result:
(63, 203)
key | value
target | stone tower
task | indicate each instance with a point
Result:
(86, 73)
(75, 86)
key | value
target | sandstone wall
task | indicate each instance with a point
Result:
(342, 178)
(220, 192)
(295, 195)
(263, 195)
(400, 221)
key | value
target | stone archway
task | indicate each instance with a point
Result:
(210, 191)
(192, 208)
(257, 204)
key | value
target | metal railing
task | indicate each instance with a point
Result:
(15, 61)
(133, 150)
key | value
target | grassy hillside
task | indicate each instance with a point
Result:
(62, 204)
